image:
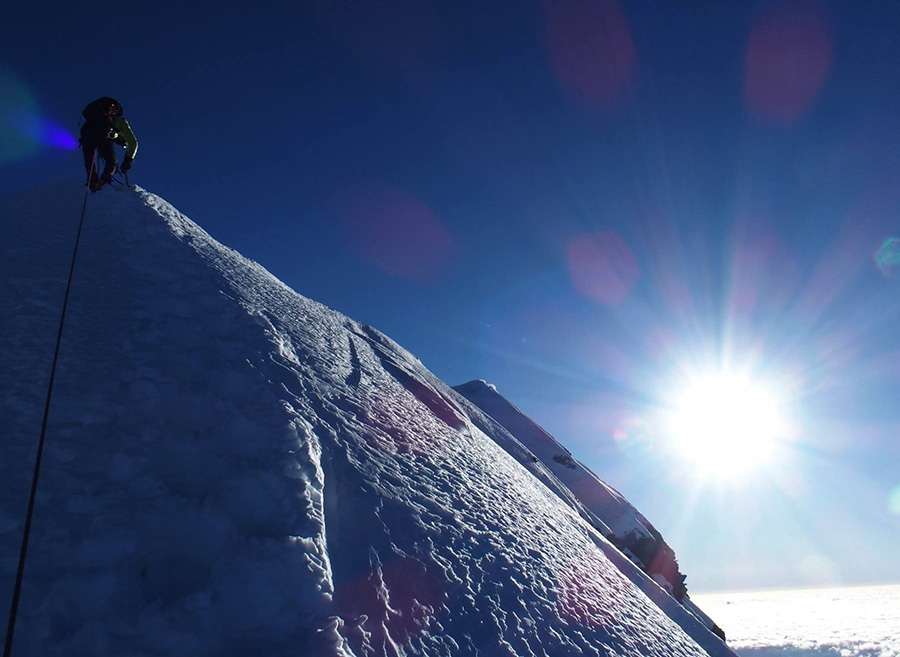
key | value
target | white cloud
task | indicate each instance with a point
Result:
(849, 622)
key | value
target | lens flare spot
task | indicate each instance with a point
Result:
(602, 267)
(888, 257)
(591, 49)
(405, 594)
(395, 232)
(22, 128)
(894, 501)
(44, 132)
(58, 137)
(16, 104)
(582, 593)
(632, 435)
(789, 55)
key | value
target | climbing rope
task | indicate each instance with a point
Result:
(23, 553)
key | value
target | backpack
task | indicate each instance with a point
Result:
(102, 110)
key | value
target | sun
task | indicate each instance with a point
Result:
(725, 424)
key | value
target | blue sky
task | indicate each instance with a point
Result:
(581, 202)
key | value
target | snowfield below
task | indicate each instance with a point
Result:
(234, 469)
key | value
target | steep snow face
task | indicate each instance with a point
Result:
(233, 469)
(595, 500)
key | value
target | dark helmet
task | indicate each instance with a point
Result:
(102, 110)
(114, 110)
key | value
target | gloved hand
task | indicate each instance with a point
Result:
(126, 165)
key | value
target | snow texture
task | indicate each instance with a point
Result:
(234, 469)
(597, 502)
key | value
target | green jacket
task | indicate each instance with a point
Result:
(123, 133)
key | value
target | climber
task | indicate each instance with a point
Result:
(105, 126)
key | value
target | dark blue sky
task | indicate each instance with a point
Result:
(573, 200)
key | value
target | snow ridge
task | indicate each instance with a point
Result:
(235, 469)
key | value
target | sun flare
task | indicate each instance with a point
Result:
(725, 424)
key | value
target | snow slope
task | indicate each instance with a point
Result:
(609, 505)
(599, 503)
(234, 469)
